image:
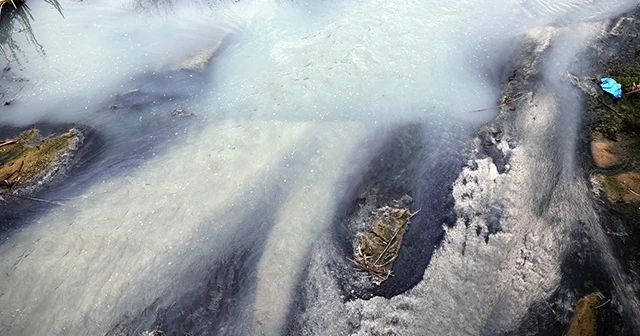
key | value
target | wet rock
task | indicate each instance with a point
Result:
(153, 333)
(613, 133)
(584, 321)
(620, 188)
(137, 99)
(606, 153)
(29, 161)
(199, 61)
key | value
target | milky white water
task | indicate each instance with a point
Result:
(288, 114)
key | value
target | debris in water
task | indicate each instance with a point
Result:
(611, 86)
(199, 61)
(377, 249)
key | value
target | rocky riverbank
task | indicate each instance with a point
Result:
(612, 129)
(611, 137)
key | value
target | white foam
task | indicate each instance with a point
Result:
(299, 79)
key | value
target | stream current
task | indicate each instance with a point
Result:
(220, 223)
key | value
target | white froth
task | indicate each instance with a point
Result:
(301, 85)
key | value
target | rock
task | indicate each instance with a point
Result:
(406, 200)
(584, 321)
(200, 60)
(605, 153)
(138, 99)
(30, 160)
(181, 113)
(620, 188)
(153, 333)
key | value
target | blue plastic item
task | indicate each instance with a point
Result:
(610, 85)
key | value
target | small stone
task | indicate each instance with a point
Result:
(406, 200)
(181, 113)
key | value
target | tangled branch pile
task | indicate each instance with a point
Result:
(377, 249)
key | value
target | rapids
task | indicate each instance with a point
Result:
(215, 225)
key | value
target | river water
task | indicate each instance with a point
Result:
(216, 224)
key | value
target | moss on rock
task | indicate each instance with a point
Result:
(621, 188)
(30, 157)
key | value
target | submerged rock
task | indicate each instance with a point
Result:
(30, 160)
(181, 113)
(138, 99)
(199, 61)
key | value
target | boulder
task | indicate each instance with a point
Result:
(605, 153)
(584, 321)
(30, 160)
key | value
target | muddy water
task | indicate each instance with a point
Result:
(210, 226)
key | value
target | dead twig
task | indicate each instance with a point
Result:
(388, 244)
(380, 277)
(630, 190)
(609, 107)
(505, 101)
(386, 263)
(602, 305)
(2, 144)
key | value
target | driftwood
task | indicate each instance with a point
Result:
(506, 100)
(8, 142)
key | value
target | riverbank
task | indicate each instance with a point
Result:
(609, 156)
(612, 130)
